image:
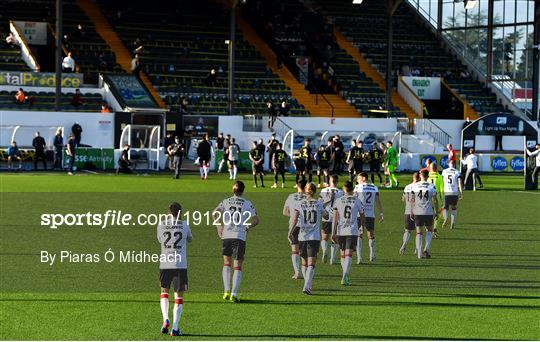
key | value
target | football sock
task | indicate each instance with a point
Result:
(393, 179)
(445, 214)
(237, 277)
(283, 178)
(333, 251)
(380, 177)
(386, 179)
(262, 179)
(230, 172)
(177, 311)
(255, 179)
(295, 258)
(310, 272)
(406, 237)
(205, 171)
(297, 178)
(324, 247)
(220, 167)
(428, 240)
(310, 177)
(164, 303)
(318, 179)
(343, 263)
(201, 171)
(348, 263)
(351, 176)
(419, 244)
(235, 172)
(275, 177)
(226, 278)
(453, 217)
(304, 269)
(359, 249)
(372, 248)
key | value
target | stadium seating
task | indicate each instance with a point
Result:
(90, 52)
(273, 20)
(11, 60)
(413, 46)
(182, 44)
(44, 101)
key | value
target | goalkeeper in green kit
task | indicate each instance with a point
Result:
(391, 162)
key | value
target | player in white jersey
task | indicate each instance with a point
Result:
(173, 236)
(288, 209)
(237, 216)
(408, 217)
(424, 204)
(234, 157)
(369, 197)
(453, 191)
(345, 211)
(329, 196)
(307, 216)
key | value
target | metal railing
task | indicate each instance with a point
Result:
(281, 128)
(430, 128)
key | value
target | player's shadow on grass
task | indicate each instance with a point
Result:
(433, 295)
(386, 303)
(322, 336)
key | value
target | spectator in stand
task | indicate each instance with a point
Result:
(211, 79)
(284, 109)
(80, 31)
(14, 154)
(272, 113)
(71, 150)
(11, 40)
(77, 130)
(39, 145)
(68, 64)
(105, 108)
(77, 100)
(135, 65)
(184, 105)
(21, 97)
(58, 146)
(467, 122)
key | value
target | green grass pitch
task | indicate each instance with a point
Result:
(482, 282)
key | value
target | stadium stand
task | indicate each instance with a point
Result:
(181, 46)
(293, 29)
(10, 59)
(90, 52)
(44, 101)
(416, 49)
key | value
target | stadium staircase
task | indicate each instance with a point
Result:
(123, 57)
(372, 73)
(317, 106)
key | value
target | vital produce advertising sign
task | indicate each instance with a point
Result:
(39, 79)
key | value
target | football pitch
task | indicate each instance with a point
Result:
(482, 282)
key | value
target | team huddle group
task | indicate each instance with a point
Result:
(336, 219)
(330, 158)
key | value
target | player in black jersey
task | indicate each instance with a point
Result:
(278, 164)
(257, 160)
(355, 159)
(376, 157)
(323, 157)
(306, 154)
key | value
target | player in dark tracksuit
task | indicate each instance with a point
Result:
(204, 152)
(323, 157)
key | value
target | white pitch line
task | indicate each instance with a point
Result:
(528, 192)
